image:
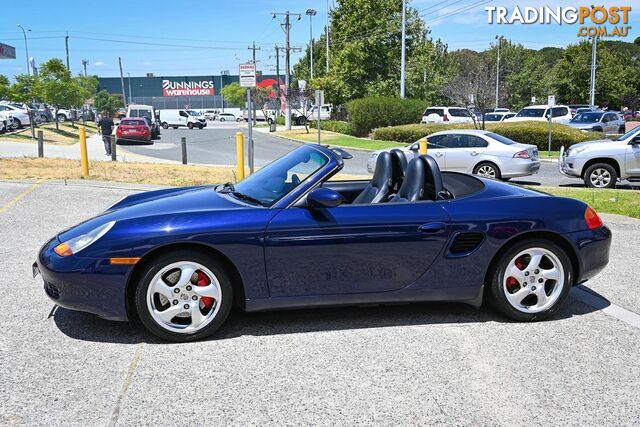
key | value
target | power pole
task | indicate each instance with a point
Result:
(124, 96)
(592, 88)
(404, 36)
(499, 38)
(84, 64)
(311, 13)
(278, 69)
(287, 73)
(254, 48)
(66, 47)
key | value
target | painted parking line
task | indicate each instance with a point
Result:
(596, 301)
(133, 366)
(20, 196)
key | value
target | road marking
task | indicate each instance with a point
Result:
(125, 385)
(596, 301)
(20, 196)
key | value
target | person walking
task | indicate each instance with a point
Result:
(106, 127)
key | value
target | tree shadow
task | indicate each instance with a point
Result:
(87, 327)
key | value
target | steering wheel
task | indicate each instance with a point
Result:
(295, 180)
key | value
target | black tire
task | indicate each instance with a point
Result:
(183, 255)
(496, 293)
(190, 125)
(200, 127)
(17, 124)
(165, 125)
(621, 130)
(596, 130)
(597, 169)
(222, 119)
(488, 166)
(270, 121)
(62, 118)
(175, 127)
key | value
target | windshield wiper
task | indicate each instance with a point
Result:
(246, 197)
(227, 188)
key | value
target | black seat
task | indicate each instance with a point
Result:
(422, 181)
(399, 161)
(380, 185)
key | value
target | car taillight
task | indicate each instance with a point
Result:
(119, 130)
(592, 219)
(524, 154)
(445, 118)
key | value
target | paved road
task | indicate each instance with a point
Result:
(407, 364)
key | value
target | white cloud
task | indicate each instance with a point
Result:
(98, 64)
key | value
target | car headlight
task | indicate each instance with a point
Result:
(75, 245)
(575, 151)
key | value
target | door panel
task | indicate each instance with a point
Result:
(632, 160)
(352, 249)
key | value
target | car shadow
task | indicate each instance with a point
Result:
(122, 142)
(87, 327)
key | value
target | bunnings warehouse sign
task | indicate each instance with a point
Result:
(195, 88)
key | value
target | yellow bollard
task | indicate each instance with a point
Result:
(240, 154)
(84, 160)
(423, 146)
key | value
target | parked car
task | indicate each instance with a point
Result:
(479, 152)
(20, 116)
(498, 116)
(148, 112)
(120, 113)
(598, 121)
(210, 114)
(178, 259)
(8, 125)
(178, 118)
(602, 163)
(226, 117)
(64, 114)
(259, 116)
(325, 112)
(501, 110)
(540, 113)
(574, 107)
(446, 115)
(133, 129)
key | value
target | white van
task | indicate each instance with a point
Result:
(325, 112)
(147, 112)
(177, 118)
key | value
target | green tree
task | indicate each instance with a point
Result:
(58, 88)
(234, 93)
(25, 89)
(4, 86)
(104, 102)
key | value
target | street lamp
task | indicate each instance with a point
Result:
(26, 48)
(311, 13)
(499, 38)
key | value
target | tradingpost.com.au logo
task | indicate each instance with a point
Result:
(595, 21)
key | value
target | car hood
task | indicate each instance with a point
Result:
(587, 143)
(174, 201)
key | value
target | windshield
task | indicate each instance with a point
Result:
(492, 117)
(586, 117)
(192, 113)
(278, 178)
(629, 134)
(531, 112)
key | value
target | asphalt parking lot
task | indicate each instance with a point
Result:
(405, 364)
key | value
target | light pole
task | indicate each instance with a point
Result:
(499, 38)
(311, 13)
(26, 47)
(327, 35)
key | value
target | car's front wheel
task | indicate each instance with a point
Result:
(62, 118)
(183, 296)
(600, 175)
(531, 280)
(487, 170)
(165, 125)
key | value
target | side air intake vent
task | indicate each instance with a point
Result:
(466, 242)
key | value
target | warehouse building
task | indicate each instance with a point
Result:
(174, 92)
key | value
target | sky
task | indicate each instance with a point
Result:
(207, 37)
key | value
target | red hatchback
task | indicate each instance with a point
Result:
(133, 130)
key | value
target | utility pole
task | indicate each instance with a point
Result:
(287, 73)
(592, 88)
(84, 64)
(499, 38)
(327, 35)
(66, 47)
(124, 96)
(254, 48)
(129, 81)
(26, 47)
(404, 36)
(311, 13)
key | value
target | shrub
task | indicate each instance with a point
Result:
(280, 120)
(369, 113)
(536, 133)
(333, 126)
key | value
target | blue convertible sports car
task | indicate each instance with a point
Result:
(287, 236)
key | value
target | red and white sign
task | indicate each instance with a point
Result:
(201, 88)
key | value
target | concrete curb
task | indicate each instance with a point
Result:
(286, 138)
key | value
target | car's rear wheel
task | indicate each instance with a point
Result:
(531, 280)
(487, 170)
(17, 124)
(222, 119)
(62, 118)
(165, 125)
(600, 175)
(183, 296)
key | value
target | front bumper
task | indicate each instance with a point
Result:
(569, 166)
(84, 284)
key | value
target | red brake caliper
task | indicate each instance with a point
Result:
(203, 280)
(512, 283)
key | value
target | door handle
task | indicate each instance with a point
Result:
(438, 154)
(432, 227)
(474, 153)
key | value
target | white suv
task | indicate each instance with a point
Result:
(602, 163)
(479, 152)
(446, 115)
(540, 113)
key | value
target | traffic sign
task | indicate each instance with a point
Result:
(248, 75)
(551, 101)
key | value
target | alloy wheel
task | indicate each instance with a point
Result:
(184, 297)
(600, 178)
(486, 171)
(533, 280)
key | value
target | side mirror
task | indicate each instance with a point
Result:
(324, 198)
(415, 147)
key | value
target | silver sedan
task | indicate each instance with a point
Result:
(479, 152)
